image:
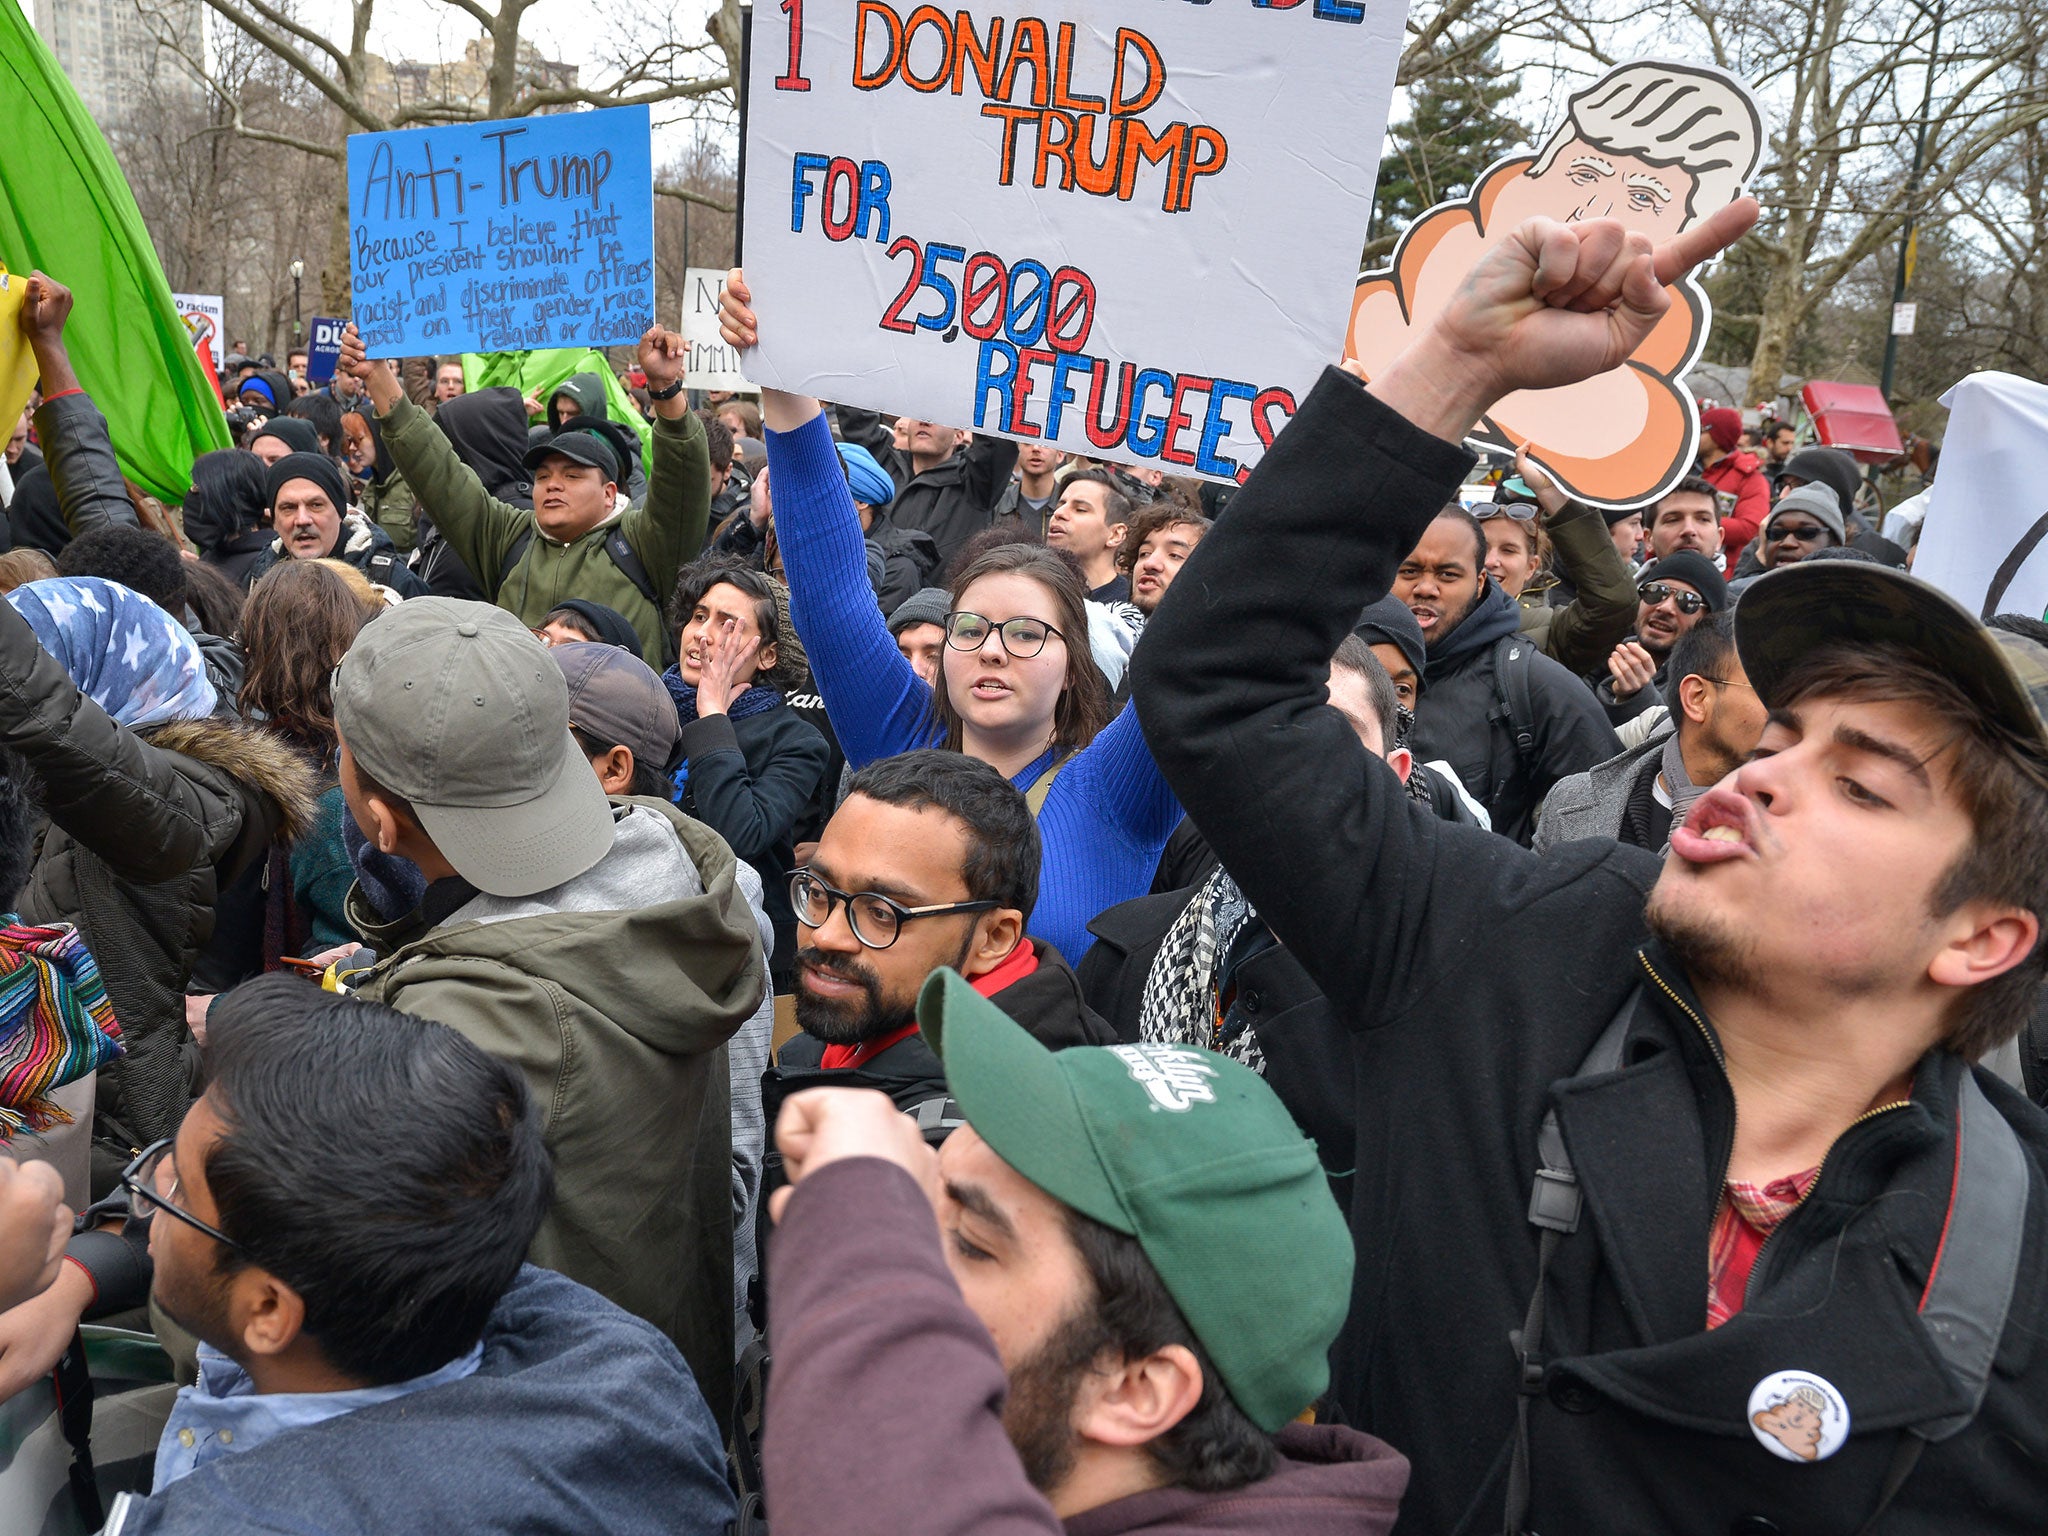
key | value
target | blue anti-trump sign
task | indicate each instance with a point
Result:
(503, 236)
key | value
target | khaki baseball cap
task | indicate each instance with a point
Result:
(1188, 1152)
(457, 708)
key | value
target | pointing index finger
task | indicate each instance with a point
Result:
(1705, 240)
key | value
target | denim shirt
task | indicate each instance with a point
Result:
(225, 1413)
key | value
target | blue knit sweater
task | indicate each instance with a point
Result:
(1109, 813)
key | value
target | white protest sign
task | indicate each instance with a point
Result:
(1985, 538)
(1129, 231)
(205, 315)
(711, 363)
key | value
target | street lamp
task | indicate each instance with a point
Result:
(298, 271)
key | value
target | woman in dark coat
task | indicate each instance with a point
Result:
(750, 763)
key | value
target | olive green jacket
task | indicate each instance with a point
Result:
(618, 1016)
(664, 531)
(1583, 632)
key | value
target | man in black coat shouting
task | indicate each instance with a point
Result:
(1679, 1204)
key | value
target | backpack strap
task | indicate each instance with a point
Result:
(1512, 660)
(1555, 1204)
(1969, 1295)
(513, 556)
(1034, 797)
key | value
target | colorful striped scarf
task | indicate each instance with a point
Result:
(56, 1023)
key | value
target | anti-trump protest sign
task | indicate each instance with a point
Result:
(503, 236)
(712, 363)
(1128, 231)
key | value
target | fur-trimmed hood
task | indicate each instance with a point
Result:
(254, 756)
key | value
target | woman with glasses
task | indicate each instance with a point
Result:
(1017, 687)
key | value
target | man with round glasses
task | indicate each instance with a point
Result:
(930, 861)
(1675, 593)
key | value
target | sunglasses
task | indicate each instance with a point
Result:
(1656, 592)
(1520, 511)
(1805, 533)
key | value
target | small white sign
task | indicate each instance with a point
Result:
(204, 316)
(712, 364)
(1903, 316)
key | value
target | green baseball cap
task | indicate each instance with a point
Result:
(1186, 1151)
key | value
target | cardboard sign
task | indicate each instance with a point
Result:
(17, 360)
(1985, 538)
(503, 236)
(1658, 146)
(205, 316)
(1130, 232)
(712, 364)
(324, 349)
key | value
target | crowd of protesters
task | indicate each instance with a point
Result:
(1380, 999)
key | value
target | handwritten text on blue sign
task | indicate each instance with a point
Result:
(503, 236)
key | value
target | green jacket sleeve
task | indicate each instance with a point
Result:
(480, 528)
(1585, 631)
(668, 528)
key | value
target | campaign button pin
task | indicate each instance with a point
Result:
(1798, 1415)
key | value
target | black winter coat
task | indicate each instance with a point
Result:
(749, 781)
(1457, 720)
(1307, 1050)
(1474, 976)
(145, 829)
(952, 501)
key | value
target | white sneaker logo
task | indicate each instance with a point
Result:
(1175, 1078)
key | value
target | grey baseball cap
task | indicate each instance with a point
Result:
(615, 697)
(458, 709)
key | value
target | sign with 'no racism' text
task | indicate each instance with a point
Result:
(503, 236)
(1128, 231)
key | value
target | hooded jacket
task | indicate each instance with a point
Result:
(579, 1419)
(1455, 719)
(1740, 475)
(385, 497)
(145, 830)
(363, 545)
(868, 1328)
(594, 412)
(952, 501)
(1474, 978)
(524, 570)
(615, 993)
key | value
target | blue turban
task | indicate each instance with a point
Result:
(865, 477)
(122, 651)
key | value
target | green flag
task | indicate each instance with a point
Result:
(538, 374)
(65, 207)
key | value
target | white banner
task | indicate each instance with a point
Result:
(1985, 539)
(1130, 231)
(204, 314)
(712, 364)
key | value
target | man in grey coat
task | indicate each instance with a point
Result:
(1636, 797)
